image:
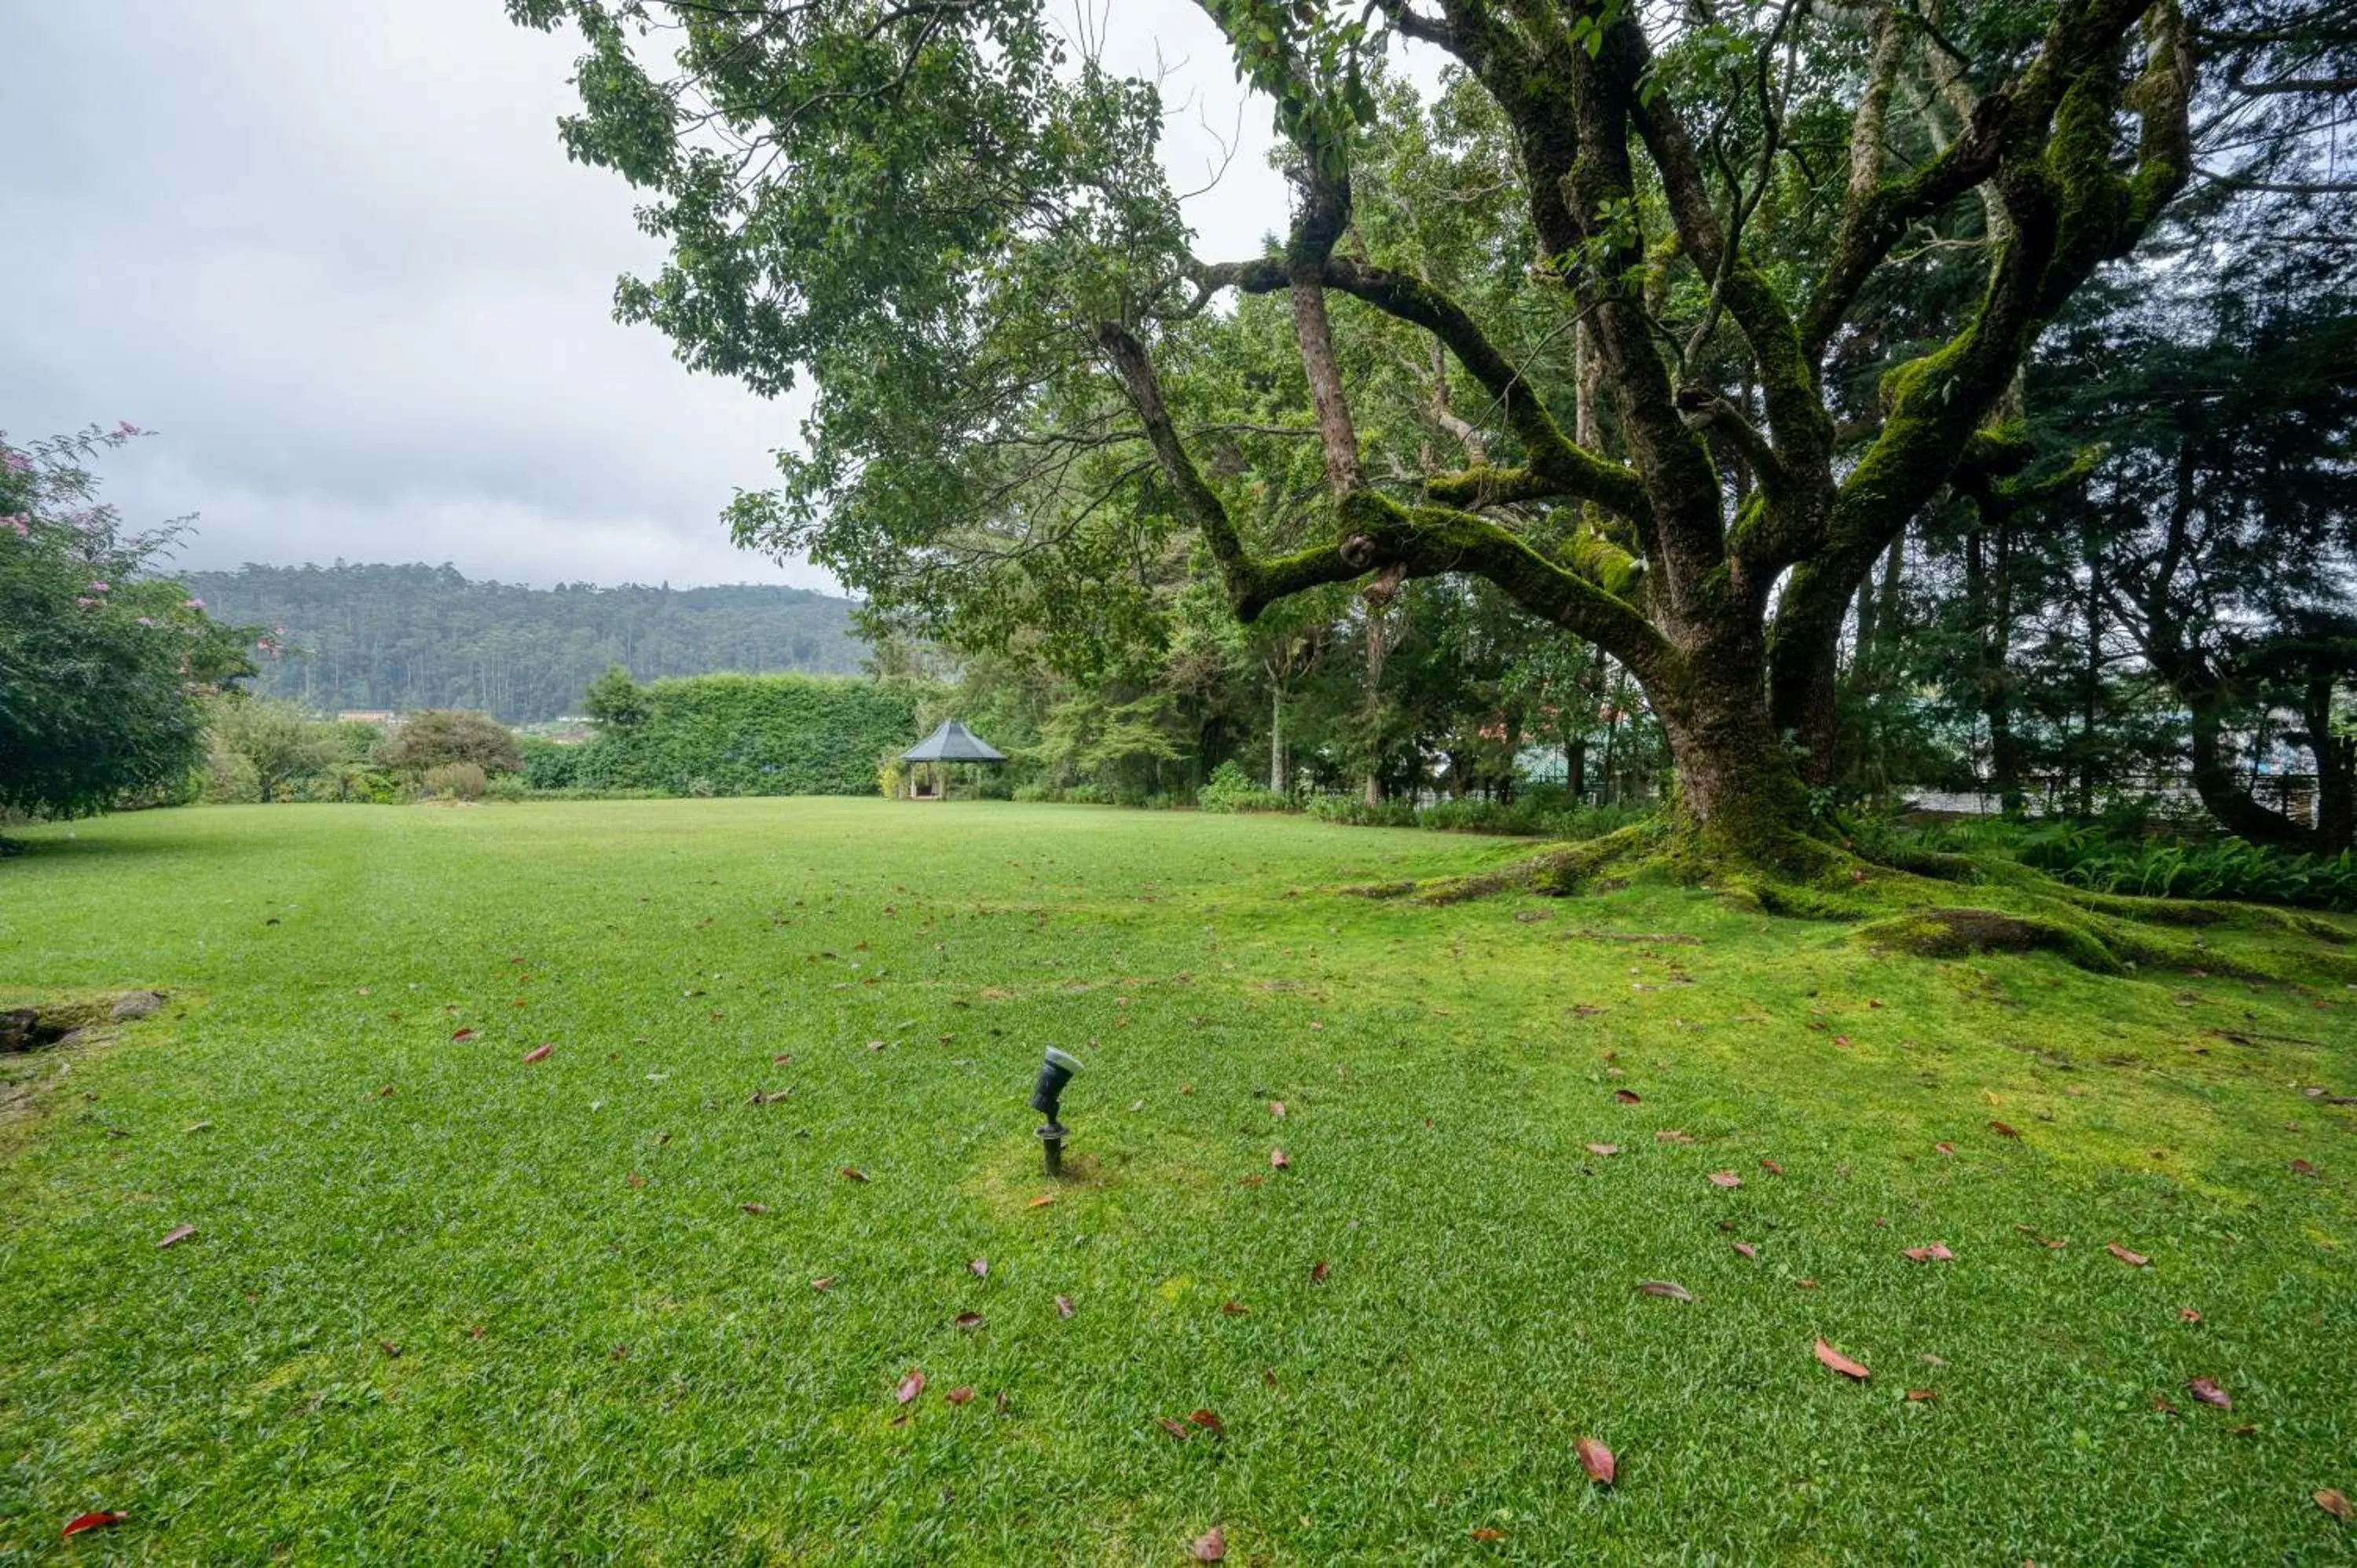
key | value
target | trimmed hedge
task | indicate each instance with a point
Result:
(751, 734)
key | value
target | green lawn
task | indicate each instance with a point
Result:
(442, 1303)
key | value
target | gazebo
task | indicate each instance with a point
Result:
(952, 743)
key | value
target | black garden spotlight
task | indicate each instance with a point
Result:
(1055, 1072)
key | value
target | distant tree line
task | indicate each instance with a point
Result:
(387, 638)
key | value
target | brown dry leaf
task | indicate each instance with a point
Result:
(1934, 1253)
(1804, 1285)
(1276, 1159)
(1841, 1363)
(2207, 1391)
(2188, 1314)
(1673, 1135)
(1921, 1396)
(754, 1208)
(540, 1052)
(980, 1267)
(1233, 1309)
(850, 1173)
(2331, 1502)
(2002, 1131)
(1668, 1289)
(1487, 1533)
(1747, 1249)
(1065, 1307)
(1597, 1460)
(2133, 1260)
(1625, 1096)
(1318, 1271)
(1947, 1149)
(462, 1034)
(911, 1384)
(1841, 1039)
(959, 1395)
(1603, 1148)
(2042, 1240)
(1212, 1546)
(2301, 1167)
(176, 1233)
(1172, 1427)
(2163, 1406)
(1771, 1167)
(825, 1282)
(1042, 1201)
(1725, 1178)
(967, 1320)
(635, 1179)
(1207, 1420)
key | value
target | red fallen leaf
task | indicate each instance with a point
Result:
(100, 1519)
(2133, 1260)
(825, 1282)
(959, 1395)
(1487, 1533)
(1178, 1432)
(782, 1060)
(1934, 1253)
(1603, 1148)
(1668, 1289)
(176, 1233)
(980, 1267)
(635, 1179)
(1921, 1396)
(2207, 1391)
(1771, 1167)
(539, 1052)
(2002, 1131)
(1841, 1039)
(462, 1034)
(1747, 1249)
(2332, 1502)
(1625, 1096)
(2187, 1314)
(1318, 1271)
(1042, 1201)
(1597, 1460)
(850, 1173)
(1725, 1178)
(1210, 1546)
(754, 1208)
(1276, 1108)
(2301, 1167)
(1207, 1420)
(967, 1320)
(1065, 1307)
(1947, 1149)
(1276, 1159)
(911, 1384)
(1233, 1309)
(1841, 1363)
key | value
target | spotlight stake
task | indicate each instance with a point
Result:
(1055, 1071)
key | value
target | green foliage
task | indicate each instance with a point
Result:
(2229, 868)
(455, 781)
(614, 701)
(394, 639)
(753, 734)
(436, 737)
(281, 746)
(102, 666)
(548, 765)
(1230, 788)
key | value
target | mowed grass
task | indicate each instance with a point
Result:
(444, 1305)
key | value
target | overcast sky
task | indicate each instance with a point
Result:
(331, 251)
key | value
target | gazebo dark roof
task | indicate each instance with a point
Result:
(951, 743)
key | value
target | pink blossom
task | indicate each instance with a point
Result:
(98, 587)
(15, 462)
(20, 523)
(126, 428)
(84, 603)
(195, 605)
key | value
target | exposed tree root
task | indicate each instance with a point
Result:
(1914, 902)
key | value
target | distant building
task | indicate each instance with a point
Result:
(378, 717)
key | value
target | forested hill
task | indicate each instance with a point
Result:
(375, 637)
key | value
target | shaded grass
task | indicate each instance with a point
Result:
(591, 1369)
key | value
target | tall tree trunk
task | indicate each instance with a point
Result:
(1276, 779)
(2336, 771)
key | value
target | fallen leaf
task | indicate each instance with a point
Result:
(979, 1268)
(1771, 1167)
(1233, 1309)
(462, 1034)
(2187, 1314)
(959, 1395)
(1947, 1149)
(1841, 1039)
(1276, 1159)
(2326, 1497)
(967, 1320)
(176, 1233)
(2207, 1391)
(1603, 1148)
(1625, 1096)
(1212, 1546)
(2002, 1131)
(635, 1179)
(1725, 1178)
(1673, 1135)
(2301, 1167)
(1276, 1108)
(1841, 1363)
(1804, 1285)
(910, 1386)
(782, 1060)
(1207, 1420)
(2133, 1260)
(850, 1173)
(2163, 1406)
(2041, 1241)
(1042, 1201)
(1487, 1533)
(754, 1208)
(1597, 1460)
(539, 1052)
(1065, 1307)
(1668, 1289)
(1934, 1253)
(825, 1282)
(1747, 1249)
(1921, 1396)
(1177, 1430)
(100, 1520)
(1318, 1271)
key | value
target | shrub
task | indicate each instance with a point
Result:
(753, 734)
(508, 787)
(1230, 788)
(439, 737)
(548, 765)
(456, 781)
(229, 779)
(1349, 810)
(282, 745)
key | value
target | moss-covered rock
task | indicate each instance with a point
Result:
(1960, 933)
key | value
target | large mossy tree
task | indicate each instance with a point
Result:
(1728, 214)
